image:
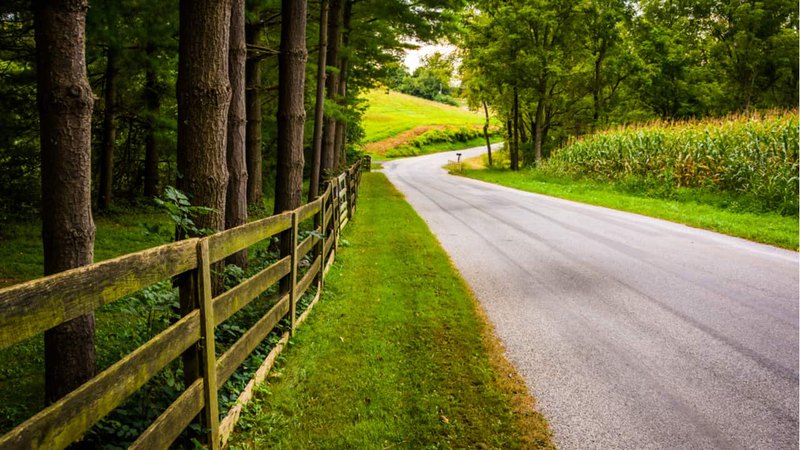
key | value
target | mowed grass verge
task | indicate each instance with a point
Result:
(396, 354)
(693, 207)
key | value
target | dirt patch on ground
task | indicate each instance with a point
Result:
(381, 147)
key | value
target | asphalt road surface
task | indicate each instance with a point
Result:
(631, 332)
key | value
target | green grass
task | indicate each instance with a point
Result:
(118, 233)
(396, 354)
(440, 147)
(716, 211)
(391, 113)
(754, 155)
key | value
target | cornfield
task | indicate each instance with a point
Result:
(754, 155)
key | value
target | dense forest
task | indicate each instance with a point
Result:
(220, 108)
(132, 67)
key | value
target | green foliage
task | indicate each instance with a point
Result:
(181, 211)
(432, 80)
(578, 66)
(752, 156)
(438, 140)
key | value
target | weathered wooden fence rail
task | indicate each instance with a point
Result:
(33, 307)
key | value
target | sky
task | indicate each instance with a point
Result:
(413, 58)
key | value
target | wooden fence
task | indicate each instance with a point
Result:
(33, 307)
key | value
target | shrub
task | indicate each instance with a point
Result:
(755, 156)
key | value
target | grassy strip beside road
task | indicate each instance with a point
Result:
(396, 354)
(701, 209)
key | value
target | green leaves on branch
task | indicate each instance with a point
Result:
(181, 211)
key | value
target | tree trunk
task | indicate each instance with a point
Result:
(291, 116)
(515, 147)
(319, 107)
(291, 107)
(203, 95)
(109, 130)
(537, 141)
(332, 87)
(152, 100)
(64, 100)
(486, 133)
(203, 98)
(255, 191)
(340, 143)
(236, 201)
(597, 84)
(509, 144)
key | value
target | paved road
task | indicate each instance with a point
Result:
(631, 332)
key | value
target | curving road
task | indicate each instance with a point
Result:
(631, 332)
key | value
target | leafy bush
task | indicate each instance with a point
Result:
(436, 136)
(754, 156)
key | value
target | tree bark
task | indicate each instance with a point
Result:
(537, 138)
(64, 100)
(255, 191)
(332, 87)
(515, 147)
(203, 98)
(291, 107)
(486, 133)
(152, 100)
(109, 130)
(340, 141)
(291, 116)
(319, 107)
(236, 202)
(509, 144)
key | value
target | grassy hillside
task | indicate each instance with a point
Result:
(391, 113)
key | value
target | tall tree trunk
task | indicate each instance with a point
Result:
(203, 98)
(319, 107)
(291, 117)
(332, 86)
(509, 144)
(64, 100)
(236, 202)
(340, 141)
(597, 84)
(291, 107)
(255, 188)
(515, 147)
(109, 129)
(152, 100)
(486, 133)
(537, 141)
(203, 95)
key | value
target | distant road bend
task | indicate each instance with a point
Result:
(632, 332)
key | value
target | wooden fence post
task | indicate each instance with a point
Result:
(207, 355)
(335, 215)
(321, 245)
(349, 184)
(293, 274)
